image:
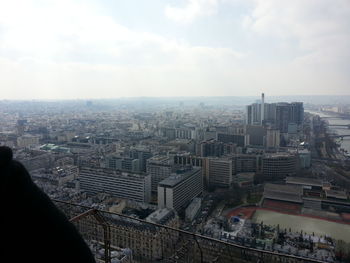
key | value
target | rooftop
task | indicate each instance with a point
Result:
(304, 181)
(159, 159)
(161, 216)
(336, 194)
(283, 188)
(111, 172)
(283, 197)
(175, 179)
(291, 193)
(278, 155)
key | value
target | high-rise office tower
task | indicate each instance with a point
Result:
(282, 117)
(287, 113)
(253, 112)
(277, 115)
(297, 112)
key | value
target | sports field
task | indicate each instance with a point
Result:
(307, 224)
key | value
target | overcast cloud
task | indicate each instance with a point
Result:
(103, 49)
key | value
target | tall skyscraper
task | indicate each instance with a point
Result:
(276, 115)
(253, 112)
(287, 113)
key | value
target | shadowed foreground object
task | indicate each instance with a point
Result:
(33, 228)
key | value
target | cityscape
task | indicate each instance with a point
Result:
(175, 131)
(265, 176)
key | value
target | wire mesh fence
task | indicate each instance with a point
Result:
(120, 238)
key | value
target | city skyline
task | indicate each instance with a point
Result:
(107, 49)
(269, 179)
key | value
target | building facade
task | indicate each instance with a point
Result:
(132, 186)
(245, 163)
(273, 138)
(159, 168)
(279, 165)
(278, 115)
(220, 172)
(177, 191)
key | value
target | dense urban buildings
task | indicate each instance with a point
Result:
(205, 169)
(277, 115)
(192, 131)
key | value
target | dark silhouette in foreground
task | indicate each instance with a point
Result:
(33, 229)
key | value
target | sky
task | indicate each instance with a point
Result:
(69, 49)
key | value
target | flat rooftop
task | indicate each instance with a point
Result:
(161, 215)
(336, 194)
(290, 193)
(178, 177)
(110, 172)
(283, 197)
(283, 188)
(278, 155)
(159, 159)
(304, 181)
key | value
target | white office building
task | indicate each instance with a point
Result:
(131, 186)
(178, 190)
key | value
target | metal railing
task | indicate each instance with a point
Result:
(151, 242)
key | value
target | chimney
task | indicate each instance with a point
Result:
(262, 108)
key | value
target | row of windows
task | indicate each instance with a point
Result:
(190, 188)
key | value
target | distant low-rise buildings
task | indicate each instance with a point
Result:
(26, 141)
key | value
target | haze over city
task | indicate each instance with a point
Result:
(110, 49)
(199, 131)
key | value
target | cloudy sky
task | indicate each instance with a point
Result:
(116, 48)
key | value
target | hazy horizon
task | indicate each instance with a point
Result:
(196, 100)
(112, 49)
